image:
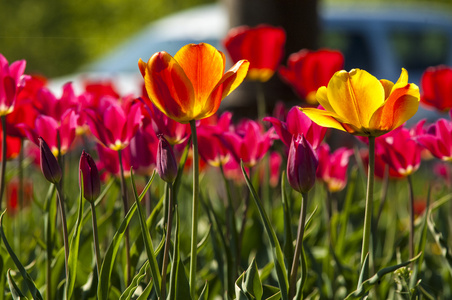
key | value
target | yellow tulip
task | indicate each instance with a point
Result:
(359, 103)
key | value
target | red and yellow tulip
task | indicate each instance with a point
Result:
(192, 84)
(359, 103)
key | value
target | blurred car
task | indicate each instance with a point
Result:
(379, 39)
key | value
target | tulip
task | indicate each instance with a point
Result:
(166, 161)
(114, 125)
(358, 103)
(49, 164)
(438, 139)
(333, 167)
(192, 84)
(248, 143)
(308, 70)
(143, 150)
(262, 46)
(89, 175)
(302, 164)
(297, 123)
(11, 82)
(436, 86)
(211, 149)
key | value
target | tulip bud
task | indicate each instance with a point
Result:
(166, 161)
(301, 165)
(90, 176)
(49, 164)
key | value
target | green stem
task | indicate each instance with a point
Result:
(411, 238)
(167, 240)
(194, 227)
(126, 209)
(3, 168)
(65, 233)
(96, 238)
(298, 249)
(369, 200)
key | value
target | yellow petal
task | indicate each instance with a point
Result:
(204, 66)
(322, 98)
(355, 96)
(323, 118)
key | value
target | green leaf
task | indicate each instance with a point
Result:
(16, 293)
(74, 248)
(204, 293)
(147, 238)
(276, 248)
(128, 293)
(147, 291)
(251, 282)
(110, 256)
(288, 236)
(441, 242)
(369, 283)
(239, 293)
(271, 290)
(27, 278)
(179, 287)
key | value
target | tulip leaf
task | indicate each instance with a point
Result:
(365, 286)
(27, 278)
(179, 288)
(147, 291)
(128, 293)
(288, 236)
(110, 255)
(278, 256)
(251, 283)
(147, 238)
(441, 242)
(16, 293)
(205, 292)
(271, 290)
(74, 248)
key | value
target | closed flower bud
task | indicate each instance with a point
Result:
(166, 162)
(49, 164)
(301, 165)
(90, 176)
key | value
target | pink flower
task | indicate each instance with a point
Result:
(302, 164)
(298, 123)
(248, 143)
(46, 102)
(399, 150)
(11, 82)
(143, 150)
(333, 167)
(109, 161)
(438, 139)
(308, 70)
(262, 46)
(115, 125)
(211, 149)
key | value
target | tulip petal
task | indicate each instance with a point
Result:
(324, 118)
(322, 98)
(169, 88)
(355, 96)
(204, 66)
(229, 82)
(401, 105)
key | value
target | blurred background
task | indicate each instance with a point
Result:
(59, 37)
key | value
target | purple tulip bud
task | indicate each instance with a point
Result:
(301, 165)
(90, 176)
(49, 164)
(166, 161)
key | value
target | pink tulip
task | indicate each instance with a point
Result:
(143, 150)
(438, 139)
(114, 125)
(12, 80)
(248, 143)
(298, 123)
(333, 167)
(109, 161)
(211, 149)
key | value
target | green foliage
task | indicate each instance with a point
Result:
(57, 37)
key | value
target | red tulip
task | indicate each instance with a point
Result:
(166, 161)
(308, 70)
(90, 177)
(436, 86)
(262, 46)
(333, 167)
(49, 164)
(12, 81)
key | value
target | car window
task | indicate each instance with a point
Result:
(352, 44)
(417, 50)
